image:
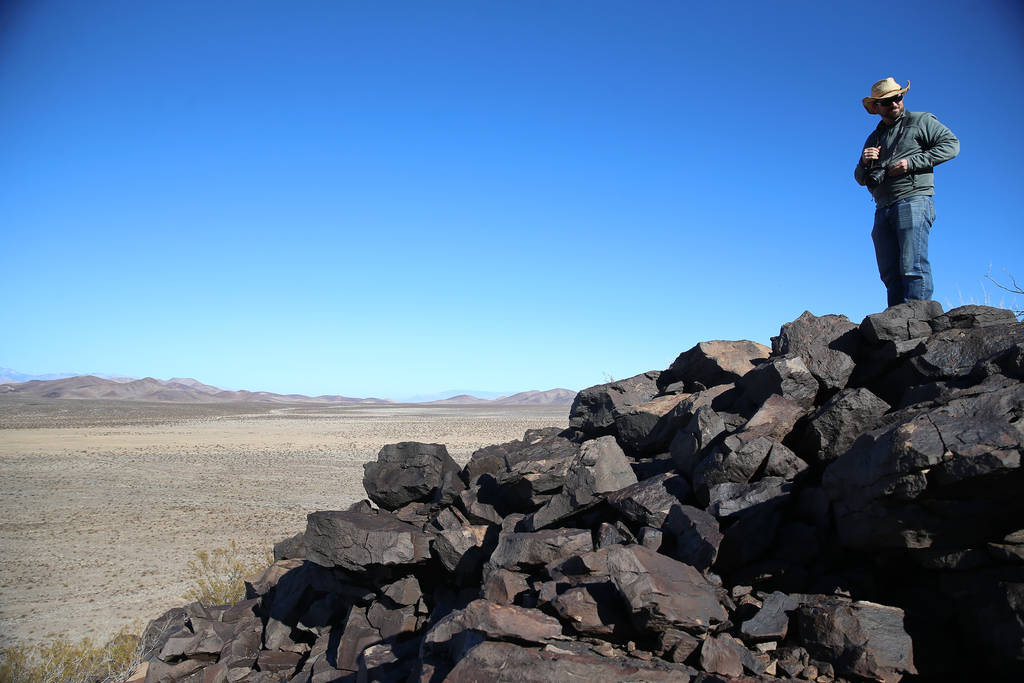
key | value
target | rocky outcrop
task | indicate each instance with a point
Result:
(842, 507)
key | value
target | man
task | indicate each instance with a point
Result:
(896, 165)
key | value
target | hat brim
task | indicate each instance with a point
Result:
(869, 102)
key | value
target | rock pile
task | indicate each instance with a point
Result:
(846, 505)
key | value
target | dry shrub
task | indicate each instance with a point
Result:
(64, 661)
(220, 575)
(219, 580)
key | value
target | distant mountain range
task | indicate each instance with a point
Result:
(187, 390)
(550, 397)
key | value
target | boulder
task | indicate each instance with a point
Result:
(712, 363)
(695, 536)
(771, 623)
(533, 474)
(722, 654)
(972, 316)
(648, 502)
(454, 635)
(593, 609)
(834, 427)
(954, 353)
(393, 621)
(462, 549)
(594, 409)
(647, 428)
(775, 418)
(691, 444)
(860, 639)
(357, 635)
(481, 503)
(599, 468)
(901, 322)
(290, 548)
(731, 498)
(736, 460)
(357, 541)
(941, 478)
(494, 459)
(827, 345)
(504, 587)
(787, 376)
(511, 663)
(749, 537)
(663, 593)
(411, 472)
(528, 551)
(388, 662)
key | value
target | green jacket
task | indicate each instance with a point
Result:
(918, 137)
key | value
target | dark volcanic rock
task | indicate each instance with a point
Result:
(593, 609)
(663, 593)
(647, 427)
(599, 468)
(722, 654)
(731, 498)
(510, 663)
(771, 621)
(902, 322)
(937, 478)
(833, 429)
(714, 362)
(503, 587)
(971, 317)
(534, 474)
(775, 418)
(738, 459)
(827, 344)
(648, 502)
(954, 353)
(594, 409)
(784, 375)
(695, 535)
(858, 638)
(527, 551)
(358, 541)
(463, 549)
(455, 634)
(411, 472)
(290, 548)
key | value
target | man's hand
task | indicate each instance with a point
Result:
(870, 154)
(899, 168)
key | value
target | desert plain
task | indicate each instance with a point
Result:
(103, 504)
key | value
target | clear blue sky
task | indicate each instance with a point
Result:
(389, 198)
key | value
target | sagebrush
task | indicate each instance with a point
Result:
(220, 575)
(65, 661)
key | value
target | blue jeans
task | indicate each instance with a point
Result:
(900, 235)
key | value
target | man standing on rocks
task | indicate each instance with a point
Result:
(896, 166)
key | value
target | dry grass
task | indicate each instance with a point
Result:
(219, 578)
(64, 661)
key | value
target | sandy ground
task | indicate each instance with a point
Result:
(103, 504)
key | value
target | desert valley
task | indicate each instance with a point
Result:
(105, 501)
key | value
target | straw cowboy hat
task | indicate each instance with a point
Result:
(887, 87)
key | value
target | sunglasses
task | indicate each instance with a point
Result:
(889, 100)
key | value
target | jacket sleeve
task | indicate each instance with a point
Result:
(937, 142)
(860, 173)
